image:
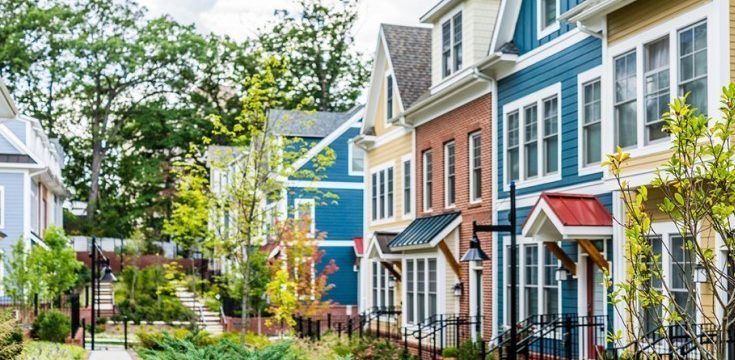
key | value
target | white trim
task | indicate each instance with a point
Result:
(716, 45)
(542, 211)
(518, 106)
(389, 108)
(583, 79)
(436, 239)
(494, 214)
(350, 152)
(335, 243)
(342, 185)
(449, 18)
(543, 31)
(542, 53)
(470, 169)
(447, 204)
(298, 203)
(334, 135)
(2, 207)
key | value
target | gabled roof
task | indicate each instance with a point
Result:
(426, 231)
(572, 215)
(409, 50)
(358, 245)
(316, 124)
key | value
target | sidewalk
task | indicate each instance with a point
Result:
(110, 355)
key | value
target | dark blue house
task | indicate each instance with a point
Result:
(336, 199)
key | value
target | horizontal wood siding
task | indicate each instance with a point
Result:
(391, 152)
(627, 21)
(340, 218)
(14, 206)
(525, 36)
(339, 169)
(344, 280)
(562, 67)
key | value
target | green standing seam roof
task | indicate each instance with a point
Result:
(421, 231)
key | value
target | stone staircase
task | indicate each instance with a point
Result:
(206, 319)
(105, 299)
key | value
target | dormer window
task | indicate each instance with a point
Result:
(452, 45)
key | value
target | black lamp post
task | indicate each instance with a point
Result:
(475, 253)
(107, 276)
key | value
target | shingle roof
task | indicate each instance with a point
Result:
(308, 123)
(16, 158)
(383, 239)
(410, 53)
(422, 231)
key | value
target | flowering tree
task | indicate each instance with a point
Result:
(695, 191)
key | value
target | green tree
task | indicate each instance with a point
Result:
(318, 45)
(695, 190)
(56, 266)
(18, 281)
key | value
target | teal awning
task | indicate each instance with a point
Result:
(423, 231)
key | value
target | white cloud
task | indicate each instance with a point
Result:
(241, 18)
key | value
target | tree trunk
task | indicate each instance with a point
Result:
(245, 298)
(94, 179)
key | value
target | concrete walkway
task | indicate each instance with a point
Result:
(110, 355)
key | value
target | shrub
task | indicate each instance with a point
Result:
(51, 326)
(40, 350)
(11, 337)
(450, 352)
(469, 350)
(147, 295)
(171, 348)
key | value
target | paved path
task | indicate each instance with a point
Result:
(110, 355)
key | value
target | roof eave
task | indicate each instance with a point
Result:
(592, 9)
(437, 11)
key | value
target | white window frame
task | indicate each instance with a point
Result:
(440, 287)
(447, 203)
(427, 200)
(520, 105)
(521, 300)
(543, 30)
(383, 274)
(715, 72)
(449, 18)
(2, 207)
(411, 187)
(471, 139)
(350, 153)
(583, 79)
(298, 204)
(384, 187)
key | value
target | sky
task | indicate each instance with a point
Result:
(241, 18)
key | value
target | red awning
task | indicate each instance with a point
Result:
(358, 246)
(578, 209)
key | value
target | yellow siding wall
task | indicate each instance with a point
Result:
(380, 111)
(642, 14)
(732, 40)
(391, 152)
(639, 164)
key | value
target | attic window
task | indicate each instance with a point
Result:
(452, 45)
(389, 98)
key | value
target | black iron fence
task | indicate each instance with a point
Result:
(441, 331)
(380, 322)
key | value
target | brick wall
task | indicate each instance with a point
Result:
(456, 126)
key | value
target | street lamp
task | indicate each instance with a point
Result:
(475, 253)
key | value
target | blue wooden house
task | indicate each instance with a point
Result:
(336, 199)
(548, 142)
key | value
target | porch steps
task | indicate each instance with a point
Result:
(206, 319)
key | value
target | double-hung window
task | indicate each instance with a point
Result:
(548, 13)
(382, 291)
(357, 160)
(452, 45)
(626, 133)
(382, 198)
(305, 213)
(682, 276)
(656, 87)
(536, 268)
(475, 155)
(530, 280)
(551, 286)
(591, 127)
(407, 187)
(428, 181)
(532, 136)
(421, 289)
(693, 65)
(450, 179)
(513, 150)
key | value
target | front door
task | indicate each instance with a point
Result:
(595, 307)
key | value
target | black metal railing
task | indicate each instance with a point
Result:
(675, 341)
(431, 336)
(379, 322)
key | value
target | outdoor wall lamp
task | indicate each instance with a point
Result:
(700, 273)
(391, 283)
(458, 287)
(562, 274)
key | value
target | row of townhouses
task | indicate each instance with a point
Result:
(483, 94)
(32, 191)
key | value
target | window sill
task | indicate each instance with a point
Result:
(474, 205)
(548, 30)
(593, 168)
(533, 182)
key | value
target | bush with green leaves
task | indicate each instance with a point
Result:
(42, 350)
(11, 337)
(172, 348)
(147, 295)
(450, 352)
(51, 325)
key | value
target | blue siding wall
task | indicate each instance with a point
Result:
(341, 219)
(525, 36)
(13, 206)
(6, 147)
(562, 67)
(339, 170)
(345, 279)
(18, 128)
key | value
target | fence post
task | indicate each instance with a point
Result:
(329, 321)
(299, 325)
(84, 334)
(420, 345)
(74, 314)
(349, 328)
(378, 322)
(359, 329)
(308, 329)
(568, 337)
(405, 340)
(339, 330)
(318, 329)
(125, 330)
